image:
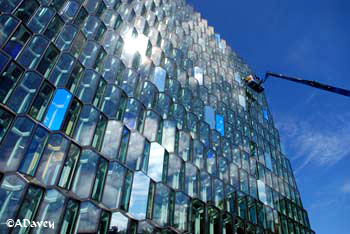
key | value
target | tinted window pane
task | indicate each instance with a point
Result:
(89, 216)
(8, 80)
(17, 41)
(41, 101)
(7, 25)
(32, 156)
(11, 188)
(48, 61)
(52, 159)
(23, 95)
(26, 10)
(31, 55)
(15, 143)
(40, 19)
(5, 121)
(113, 188)
(85, 174)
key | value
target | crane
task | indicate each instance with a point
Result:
(256, 84)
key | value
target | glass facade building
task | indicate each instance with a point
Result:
(131, 116)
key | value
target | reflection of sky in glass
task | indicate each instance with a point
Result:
(156, 159)
(266, 115)
(268, 161)
(13, 187)
(57, 109)
(113, 186)
(139, 195)
(198, 75)
(241, 100)
(161, 205)
(168, 139)
(119, 221)
(238, 77)
(181, 208)
(220, 127)
(159, 78)
(217, 37)
(191, 179)
(50, 209)
(262, 192)
(111, 140)
(88, 217)
(84, 178)
(209, 116)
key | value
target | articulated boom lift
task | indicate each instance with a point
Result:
(256, 84)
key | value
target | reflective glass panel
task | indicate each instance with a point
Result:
(139, 195)
(57, 109)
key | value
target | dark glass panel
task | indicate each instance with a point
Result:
(198, 219)
(54, 28)
(5, 122)
(41, 101)
(99, 133)
(72, 117)
(17, 41)
(29, 208)
(7, 25)
(100, 180)
(8, 80)
(48, 61)
(70, 217)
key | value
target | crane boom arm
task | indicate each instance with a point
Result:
(311, 83)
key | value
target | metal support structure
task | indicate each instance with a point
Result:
(256, 84)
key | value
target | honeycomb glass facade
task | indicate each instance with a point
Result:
(131, 116)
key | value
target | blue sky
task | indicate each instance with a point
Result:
(309, 39)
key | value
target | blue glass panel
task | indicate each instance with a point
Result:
(268, 161)
(209, 116)
(217, 37)
(220, 124)
(13, 48)
(266, 115)
(57, 109)
(3, 60)
(159, 78)
(33, 154)
(8, 5)
(41, 18)
(24, 93)
(31, 55)
(7, 25)
(11, 191)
